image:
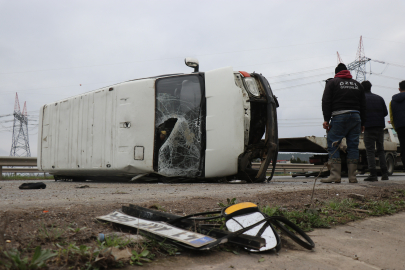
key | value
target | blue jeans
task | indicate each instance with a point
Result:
(345, 125)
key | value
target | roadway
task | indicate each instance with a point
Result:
(68, 193)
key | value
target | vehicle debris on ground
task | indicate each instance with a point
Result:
(38, 185)
(246, 226)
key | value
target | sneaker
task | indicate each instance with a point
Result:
(371, 178)
(384, 177)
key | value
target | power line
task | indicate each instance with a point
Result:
(302, 78)
(384, 87)
(385, 40)
(278, 89)
(55, 87)
(281, 61)
(391, 64)
(115, 81)
(306, 71)
(389, 77)
(171, 58)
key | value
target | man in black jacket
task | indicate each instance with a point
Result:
(397, 115)
(344, 101)
(374, 132)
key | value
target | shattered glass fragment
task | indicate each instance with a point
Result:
(178, 121)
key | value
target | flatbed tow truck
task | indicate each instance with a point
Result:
(318, 146)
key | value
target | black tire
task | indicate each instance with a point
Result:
(390, 163)
(38, 185)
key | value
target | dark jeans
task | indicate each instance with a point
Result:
(374, 136)
(345, 125)
(401, 137)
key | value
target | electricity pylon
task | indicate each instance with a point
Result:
(20, 146)
(339, 60)
(359, 64)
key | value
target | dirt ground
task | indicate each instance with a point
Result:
(24, 222)
(64, 205)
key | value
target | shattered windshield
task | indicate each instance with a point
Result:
(178, 126)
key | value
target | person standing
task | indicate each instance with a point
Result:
(344, 101)
(374, 132)
(397, 116)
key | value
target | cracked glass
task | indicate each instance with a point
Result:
(178, 126)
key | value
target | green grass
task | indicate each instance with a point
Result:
(341, 205)
(401, 192)
(78, 257)
(62, 252)
(336, 211)
(50, 233)
(160, 247)
(228, 203)
(14, 259)
(26, 177)
(380, 208)
(114, 241)
(306, 220)
(137, 258)
(158, 207)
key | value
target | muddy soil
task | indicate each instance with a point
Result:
(26, 226)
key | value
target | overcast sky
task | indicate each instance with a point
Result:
(51, 50)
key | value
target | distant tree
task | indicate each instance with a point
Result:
(297, 160)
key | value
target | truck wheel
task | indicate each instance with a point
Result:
(390, 163)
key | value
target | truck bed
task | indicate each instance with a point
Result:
(303, 144)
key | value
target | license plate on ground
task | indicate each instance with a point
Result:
(159, 228)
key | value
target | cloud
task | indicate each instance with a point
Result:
(51, 50)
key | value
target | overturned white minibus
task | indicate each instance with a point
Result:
(198, 127)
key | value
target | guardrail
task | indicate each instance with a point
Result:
(291, 167)
(17, 162)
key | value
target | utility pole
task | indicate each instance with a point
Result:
(359, 64)
(20, 146)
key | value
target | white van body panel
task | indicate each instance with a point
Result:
(109, 131)
(224, 123)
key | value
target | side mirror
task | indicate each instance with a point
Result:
(192, 62)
